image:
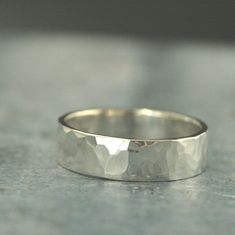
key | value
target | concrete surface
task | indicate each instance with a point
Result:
(43, 75)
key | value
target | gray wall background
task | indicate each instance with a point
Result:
(201, 19)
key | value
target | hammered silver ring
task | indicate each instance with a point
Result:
(132, 144)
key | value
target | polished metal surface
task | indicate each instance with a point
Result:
(132, 145)
(43, 75)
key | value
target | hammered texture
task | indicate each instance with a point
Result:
(123, 159)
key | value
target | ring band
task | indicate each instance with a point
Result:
(132, 145)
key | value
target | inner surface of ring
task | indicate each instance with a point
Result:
(134, 124)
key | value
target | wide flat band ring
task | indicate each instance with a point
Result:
(133, 144)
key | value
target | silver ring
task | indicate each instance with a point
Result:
(132, 145)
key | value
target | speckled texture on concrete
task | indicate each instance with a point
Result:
(45, 75)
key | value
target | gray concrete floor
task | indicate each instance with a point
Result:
(43, 75)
